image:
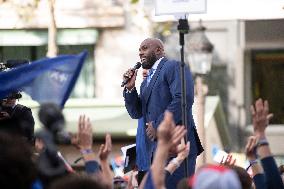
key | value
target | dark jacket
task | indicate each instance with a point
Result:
(271, 178)
(21, 122)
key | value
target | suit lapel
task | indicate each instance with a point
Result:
(148, 90)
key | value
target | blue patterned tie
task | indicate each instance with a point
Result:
(149, 76)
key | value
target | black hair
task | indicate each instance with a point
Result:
(76, 181)
(17, 167)
(245, 179)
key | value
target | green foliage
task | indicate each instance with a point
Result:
(163, 29)
(134, 1)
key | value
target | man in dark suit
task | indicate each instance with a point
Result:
(16, 118)
(161, 91)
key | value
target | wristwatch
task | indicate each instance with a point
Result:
(262, 142)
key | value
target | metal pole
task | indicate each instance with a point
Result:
(183, 28)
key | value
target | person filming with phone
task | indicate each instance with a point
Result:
(16, 118)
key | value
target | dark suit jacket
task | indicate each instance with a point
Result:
(164, 93)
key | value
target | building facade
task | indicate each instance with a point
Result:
(248, 57)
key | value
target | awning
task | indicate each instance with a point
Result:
(40, 37)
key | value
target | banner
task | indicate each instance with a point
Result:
(179, 7)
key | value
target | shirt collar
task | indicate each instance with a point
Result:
(155, 66)
(14, 105)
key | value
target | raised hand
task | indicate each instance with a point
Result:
(178, 134)
(170, 134)
(85, 134)
(229, 161)
(164, 131)
(105, 149)
(182, 154)
(183, 151)
(250, 148)
(260, 117)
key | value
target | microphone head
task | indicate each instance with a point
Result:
(137, 66)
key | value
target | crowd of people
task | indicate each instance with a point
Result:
(33, 161)
(25, 166)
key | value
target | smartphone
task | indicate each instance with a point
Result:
(220, 154)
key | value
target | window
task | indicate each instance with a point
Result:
(85, 86)
(268, 80)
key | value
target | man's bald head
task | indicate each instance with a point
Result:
(150, 50)
(155, 42)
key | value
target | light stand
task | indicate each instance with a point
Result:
(183, 28)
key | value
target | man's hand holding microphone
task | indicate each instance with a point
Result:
(129, 77)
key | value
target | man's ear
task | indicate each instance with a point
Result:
(159, 50)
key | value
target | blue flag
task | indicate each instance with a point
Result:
(46, 80)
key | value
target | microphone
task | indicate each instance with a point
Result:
(136, 67)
